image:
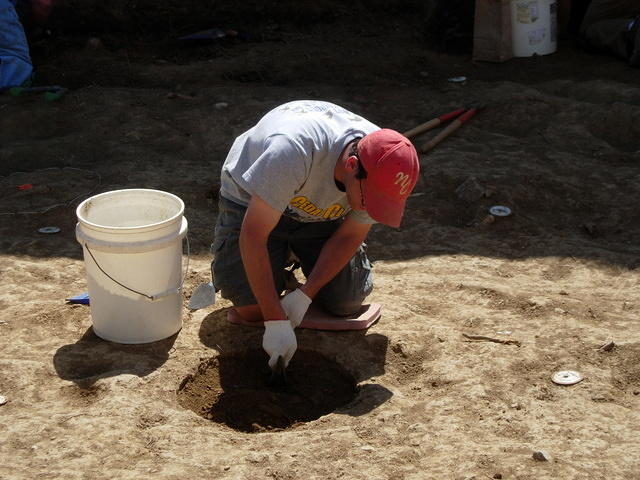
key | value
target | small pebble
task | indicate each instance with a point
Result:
(221, 105)
(607, 347)
(541, 456)
(3, 400)
(497, 476)
(367, 448)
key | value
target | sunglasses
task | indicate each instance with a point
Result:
(361, 174)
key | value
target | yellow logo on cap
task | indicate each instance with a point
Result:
(404, 181)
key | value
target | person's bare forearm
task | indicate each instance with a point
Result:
(335, 254)
(257, 265)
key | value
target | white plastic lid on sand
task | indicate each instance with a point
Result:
(500, 211)
(566, 377)
(49, 229)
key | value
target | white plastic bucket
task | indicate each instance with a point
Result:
(132, 245)
(534, 26)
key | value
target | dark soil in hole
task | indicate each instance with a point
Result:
(234, 390)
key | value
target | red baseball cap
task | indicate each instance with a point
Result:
(392, 166)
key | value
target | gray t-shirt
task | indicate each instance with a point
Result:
(288, 159)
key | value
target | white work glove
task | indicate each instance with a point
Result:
(279, 340)
(295, 305)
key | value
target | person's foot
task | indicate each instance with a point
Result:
(248, 314)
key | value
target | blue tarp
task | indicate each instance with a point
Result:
(15, 62)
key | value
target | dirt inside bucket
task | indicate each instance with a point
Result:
(233, 389)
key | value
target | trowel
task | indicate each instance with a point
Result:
(203, 296)
(278, 374)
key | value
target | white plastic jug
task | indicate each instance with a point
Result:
(534, 26)
(132, 245)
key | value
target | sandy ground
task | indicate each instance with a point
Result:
(557, 143)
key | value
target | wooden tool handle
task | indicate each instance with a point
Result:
(423, 127)
(452, 127)
(467, 115)
(456, 124)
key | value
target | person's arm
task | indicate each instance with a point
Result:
(335, 254)
(278, 340)
(260, 219)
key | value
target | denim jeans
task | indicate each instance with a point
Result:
(342, 296)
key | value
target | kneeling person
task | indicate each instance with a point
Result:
(311, 178)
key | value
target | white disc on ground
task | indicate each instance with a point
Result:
(49, 230)
(566, 377)
(500, 211)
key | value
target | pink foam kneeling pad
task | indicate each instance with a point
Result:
(318, 319)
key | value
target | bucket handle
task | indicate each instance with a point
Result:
(157, 296)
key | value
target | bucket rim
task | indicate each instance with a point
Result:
(149, 226)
